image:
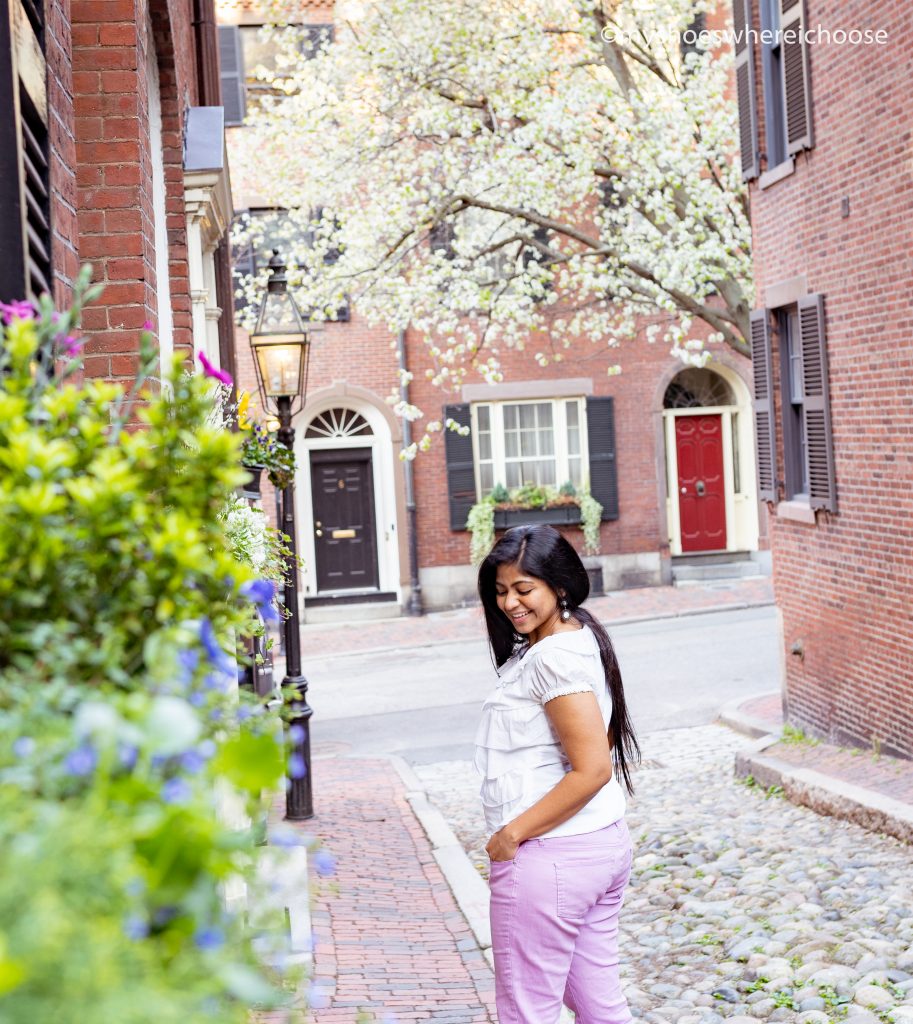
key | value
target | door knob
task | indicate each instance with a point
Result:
(319, 533)
(684, 490)
(701, 488)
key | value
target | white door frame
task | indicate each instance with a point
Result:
(381, 445)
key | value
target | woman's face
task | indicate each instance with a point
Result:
(529, 603)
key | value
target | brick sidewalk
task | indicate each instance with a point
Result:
(888, 776)
(389, 937)
(467, 623)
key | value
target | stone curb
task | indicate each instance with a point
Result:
(468, 886)
(731, 715)
(610, 623)
(826, 795)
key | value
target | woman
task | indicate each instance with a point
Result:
(553, 739)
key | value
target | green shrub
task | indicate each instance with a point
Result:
(122, 732)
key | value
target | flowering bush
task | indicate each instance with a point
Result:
(123, 737)
(253, 541)
(261, 447)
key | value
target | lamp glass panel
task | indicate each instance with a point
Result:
(280, 367)
(278, 315)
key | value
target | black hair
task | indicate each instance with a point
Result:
(542, 552)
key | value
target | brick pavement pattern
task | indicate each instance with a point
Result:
(614, 608)
(389, 937)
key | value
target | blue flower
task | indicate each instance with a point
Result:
(176, 791)
(262, 592)
(136, 927)
(193, 761)
(207, 748)
(81, 761)
(24, 746)
(296, 734)
(297, 769)
(217, 657)
(197, 698)
(188, 660)
(286, 837)
(209, 938)
(317, 998)
(127, 755)
(324, 863)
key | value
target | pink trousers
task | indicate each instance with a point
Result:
(554, 928)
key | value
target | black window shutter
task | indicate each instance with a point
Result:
(36, 196)
(461, 477)
(765, 435)
(796, 80)
(231, 73)
(745, 88)
(600, 426)
(441, 237)
(243, 265)
(822, 489)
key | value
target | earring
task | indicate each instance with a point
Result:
(565, 611)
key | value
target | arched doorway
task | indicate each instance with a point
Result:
(347, 500)
(709, 463)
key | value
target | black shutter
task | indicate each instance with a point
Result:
(231, 73)
(600, 427)
(765, 435)
(243, 265)
(37, 198)
(461, 477)
(816, 411)
(745, 88)
(441, 237)
(796, 83)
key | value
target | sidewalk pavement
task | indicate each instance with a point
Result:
(462, 624)
(864, 786)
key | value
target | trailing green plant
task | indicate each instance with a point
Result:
(261, 447)
(590, 521)
(481, 525)
(253, 541)
(120, 715)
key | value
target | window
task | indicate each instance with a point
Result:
(772, 69)
(540, 443)
(274, 229)
(245, 50)
(795, 447)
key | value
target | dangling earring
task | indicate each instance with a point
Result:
(565, 611)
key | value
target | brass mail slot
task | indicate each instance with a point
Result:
(342, 534)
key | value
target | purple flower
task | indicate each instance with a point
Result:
(17, 310)
(24, 746)
(262, 592)
(243, 713)
(286, 837)
(297, 769)
(176, 791)
(217, 657)
(127, 755)
(72, 346)
(324, 863)
(136, 927)
(193, 761)
(197, 699)
(188, 660)
(317, 999)
(296, 734)
(147, 325)
(208, 938)
(207, 748)
(213, 371)
(80, 762)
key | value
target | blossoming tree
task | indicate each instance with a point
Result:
(513, 174)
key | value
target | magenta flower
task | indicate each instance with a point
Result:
(17, 310)
(214, 371)
(147, 325)
(72, 346)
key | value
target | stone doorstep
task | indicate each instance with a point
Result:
(826, 794)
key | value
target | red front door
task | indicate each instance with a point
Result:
(701, 492)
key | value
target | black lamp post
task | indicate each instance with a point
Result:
(281, 347)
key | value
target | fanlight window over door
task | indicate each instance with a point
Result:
(338, 423)
(697, 388)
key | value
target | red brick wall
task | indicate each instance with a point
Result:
(114, 171)
(844, 584)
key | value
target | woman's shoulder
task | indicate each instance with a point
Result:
(581, 642)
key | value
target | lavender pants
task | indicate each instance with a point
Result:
(554, 928)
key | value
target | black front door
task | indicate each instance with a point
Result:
(345, 536)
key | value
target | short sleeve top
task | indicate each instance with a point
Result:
(518, 753)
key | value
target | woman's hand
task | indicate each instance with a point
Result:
(501, 846)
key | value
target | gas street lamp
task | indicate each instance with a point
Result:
(281, 346)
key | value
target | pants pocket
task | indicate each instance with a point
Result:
(580, 885)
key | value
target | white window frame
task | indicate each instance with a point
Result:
(559, 426)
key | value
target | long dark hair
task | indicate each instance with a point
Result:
(542, 552)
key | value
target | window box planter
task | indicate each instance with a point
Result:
(559, 515)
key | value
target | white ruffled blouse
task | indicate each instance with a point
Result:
(518, 753)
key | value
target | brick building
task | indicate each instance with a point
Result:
(112, 153)
(634, 436)
(826, 138)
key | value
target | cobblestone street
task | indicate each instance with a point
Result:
(742, 906)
